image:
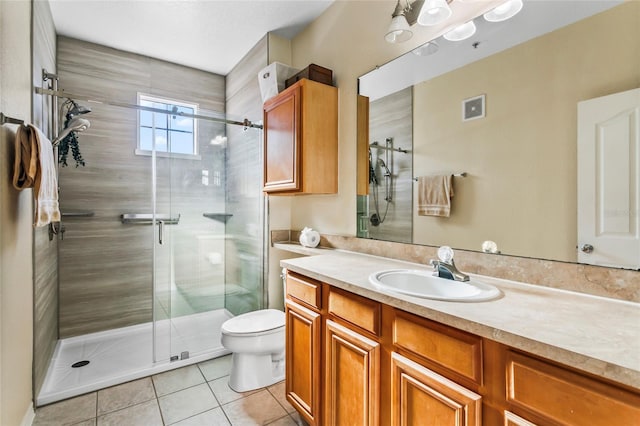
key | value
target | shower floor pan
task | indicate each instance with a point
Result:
(124, 354)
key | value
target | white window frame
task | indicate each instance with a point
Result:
(154, 98)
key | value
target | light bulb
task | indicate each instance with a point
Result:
(505, 11)
(461, 32)
(434, 12)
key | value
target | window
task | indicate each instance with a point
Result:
(172, 134)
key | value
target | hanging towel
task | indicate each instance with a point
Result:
(35, 167)
(434, 195)
(25, 163)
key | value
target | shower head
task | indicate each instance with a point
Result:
(75, 124)
(372, 172)
(387, 172)
(75, 109)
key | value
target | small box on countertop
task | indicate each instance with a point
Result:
(313, 72)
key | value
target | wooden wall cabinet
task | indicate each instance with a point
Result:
(301, 140)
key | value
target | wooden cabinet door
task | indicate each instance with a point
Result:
(419, 396)
(352, 381)
(511, 419)
(303, 361)
(282, 142)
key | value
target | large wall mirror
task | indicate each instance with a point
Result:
(514, 157)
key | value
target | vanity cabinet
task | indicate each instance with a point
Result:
(301, 140)
(303, 348)
(352, 377)
(384, 366)
(547, 393)
(418, 394)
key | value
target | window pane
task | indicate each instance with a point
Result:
(145, 138)
(160, 120)
(145, 118)
(169, 133)
(161, 140)
(181, 123)
(182, 143)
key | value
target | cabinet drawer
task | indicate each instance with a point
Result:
(564, 397)
(457, 351)
(356, 310)
(304, 290)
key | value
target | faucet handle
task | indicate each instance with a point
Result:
(445, 254)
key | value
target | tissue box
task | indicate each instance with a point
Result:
(272, 79)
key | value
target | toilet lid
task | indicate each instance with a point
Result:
(254, 322)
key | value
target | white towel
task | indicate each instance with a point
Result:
(47, 207)
(35, 167)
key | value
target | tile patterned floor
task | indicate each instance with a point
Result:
(196, 395)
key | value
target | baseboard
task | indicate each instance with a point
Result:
(29, 416)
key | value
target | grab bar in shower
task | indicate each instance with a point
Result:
(78, 213)
(147, 219)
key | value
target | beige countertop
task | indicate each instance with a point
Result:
(594, 334)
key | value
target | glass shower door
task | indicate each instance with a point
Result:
(189, 245)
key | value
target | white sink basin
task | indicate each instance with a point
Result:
(423, 284)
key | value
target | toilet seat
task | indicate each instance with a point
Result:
(256, 323)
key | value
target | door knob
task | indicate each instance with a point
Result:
(586, 248)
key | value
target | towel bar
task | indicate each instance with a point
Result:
(463, 174)
(147, 219)
(5, 119)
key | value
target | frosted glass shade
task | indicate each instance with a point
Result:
(505, 11)
(429, 48)
(461, 32)
(434, 12)
(399, 30)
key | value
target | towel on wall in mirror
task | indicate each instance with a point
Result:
(434, 195)
(35, 167)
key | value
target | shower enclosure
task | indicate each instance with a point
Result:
(386, 212)
(161, 241)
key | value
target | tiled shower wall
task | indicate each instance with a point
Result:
(105, 266)
(391, 117)
(45, 251)
(244, 181)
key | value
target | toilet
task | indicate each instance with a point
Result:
(257, 341)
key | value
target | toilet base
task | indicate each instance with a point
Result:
(255, 371)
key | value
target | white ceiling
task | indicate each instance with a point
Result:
(211, 35)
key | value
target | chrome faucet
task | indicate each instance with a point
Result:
(445, 266)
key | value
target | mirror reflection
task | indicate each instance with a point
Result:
(501, 107)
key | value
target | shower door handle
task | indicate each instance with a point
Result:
(160, 230)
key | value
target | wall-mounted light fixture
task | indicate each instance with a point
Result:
(434, 12)
(505, 11)
(399, 29)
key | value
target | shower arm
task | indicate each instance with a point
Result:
(62, 94)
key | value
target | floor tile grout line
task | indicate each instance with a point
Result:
(127, 407)
(278, 419)
(277, 400)
(155, 392)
